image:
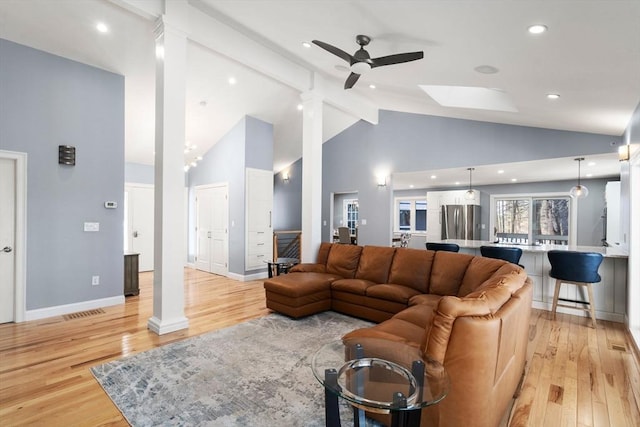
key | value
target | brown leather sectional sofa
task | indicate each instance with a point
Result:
(469, 313)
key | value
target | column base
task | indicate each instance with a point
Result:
(162, 327)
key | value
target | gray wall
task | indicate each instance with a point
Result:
(631, 136)
(138, 173)
(403, 142)
(287, 199)
(46, 101)
(248, 144)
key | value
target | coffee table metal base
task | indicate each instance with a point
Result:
(399, 417)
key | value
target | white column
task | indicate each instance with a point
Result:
(311, 173)
(168, 278)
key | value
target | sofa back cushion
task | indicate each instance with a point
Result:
(478, 271)
(343, 260)
(412, 268)
(323, 253)
(447, 272)
(374, 264)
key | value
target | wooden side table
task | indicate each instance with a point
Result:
(131, 285)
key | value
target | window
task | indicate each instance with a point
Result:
(410, 215)
(533, 219)
(350, 214)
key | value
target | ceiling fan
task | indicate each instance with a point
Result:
(361, 62)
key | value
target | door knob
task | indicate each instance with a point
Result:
(135, 234)
(7, 249)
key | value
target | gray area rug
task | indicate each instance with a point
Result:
(257, 373)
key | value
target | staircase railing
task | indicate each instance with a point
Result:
(286, 244)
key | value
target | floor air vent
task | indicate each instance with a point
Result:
(83, 314)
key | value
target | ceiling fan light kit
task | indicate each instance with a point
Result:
(361, 62)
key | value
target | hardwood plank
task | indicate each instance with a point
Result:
(576, 375)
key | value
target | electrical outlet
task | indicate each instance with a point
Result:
(95, 280)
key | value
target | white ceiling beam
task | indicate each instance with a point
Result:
(209, 31)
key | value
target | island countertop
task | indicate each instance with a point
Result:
(606, 251)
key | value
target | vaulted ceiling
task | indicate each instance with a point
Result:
(590, 56)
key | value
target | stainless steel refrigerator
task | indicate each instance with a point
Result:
(461, 222)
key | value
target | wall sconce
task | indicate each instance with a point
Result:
(382, 180)
(285, 176)
(624, 152)
(66, 155)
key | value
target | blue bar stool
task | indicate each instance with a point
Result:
(449, 247)
(576, 268)
(500, 252)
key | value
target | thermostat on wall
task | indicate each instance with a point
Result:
(110, 205)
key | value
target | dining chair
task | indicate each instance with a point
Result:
(575, 268)
(344, 235)
(500, 252)
(450, 247)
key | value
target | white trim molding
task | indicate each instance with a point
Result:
(20, 246)
(61, 310)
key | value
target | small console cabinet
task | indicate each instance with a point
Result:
(131, 274)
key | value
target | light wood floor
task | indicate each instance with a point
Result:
(577, 376)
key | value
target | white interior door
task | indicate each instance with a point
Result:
(212, 223)
(140, 224)
(204, 203)
(219, 231)
(7, 239)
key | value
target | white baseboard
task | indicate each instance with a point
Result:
(190, 265)
(248, 277)
(61, 310)
(604, 315)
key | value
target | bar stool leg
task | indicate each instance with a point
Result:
(556, 294)
(592, 307)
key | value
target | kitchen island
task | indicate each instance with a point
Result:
(610, 294)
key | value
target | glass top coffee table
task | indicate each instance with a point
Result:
(280, 265)
(378, 376)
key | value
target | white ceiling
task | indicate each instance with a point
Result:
(590, 56)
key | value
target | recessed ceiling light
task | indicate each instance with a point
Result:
(589, 175)
(457, 182)
(410, 185)
(591, 164)
(433, 177)
(486, 69)
(102, 27)
(306, 44)
(232, 80)
(537, 29)
(300, 107)
(500, 171)
(372, 86)
(514, 179)
(553, 96)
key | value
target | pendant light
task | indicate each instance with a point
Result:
(470, 194)
(579, 191)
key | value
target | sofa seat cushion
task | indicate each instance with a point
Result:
(389, 292)
(419, 315)
(425, 299)
(300, 284)
(352, 286)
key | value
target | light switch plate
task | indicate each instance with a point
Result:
(91, 226)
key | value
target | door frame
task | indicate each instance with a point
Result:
(20, 249)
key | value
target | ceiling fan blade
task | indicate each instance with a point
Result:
(332, 49)
(396, 59)
(351, 80)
